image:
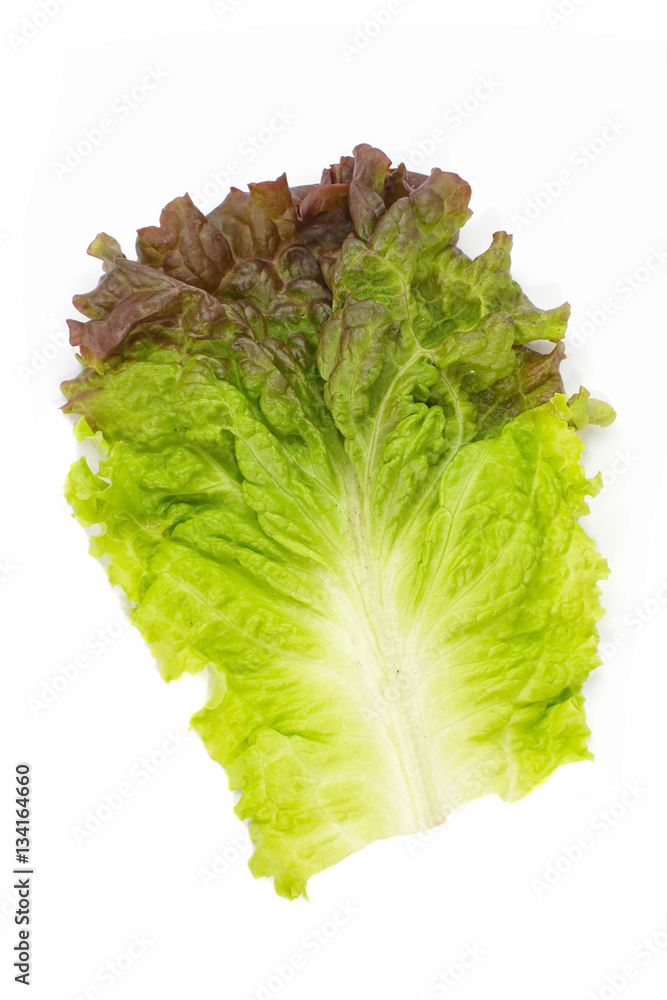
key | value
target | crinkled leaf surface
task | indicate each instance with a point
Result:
(336, 475)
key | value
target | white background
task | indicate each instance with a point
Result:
(481, 882)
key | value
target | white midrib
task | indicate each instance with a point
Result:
(393, 671)
(396, 657)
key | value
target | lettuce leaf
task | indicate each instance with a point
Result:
(336, 474)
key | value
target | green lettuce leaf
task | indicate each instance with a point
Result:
(335, 474)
